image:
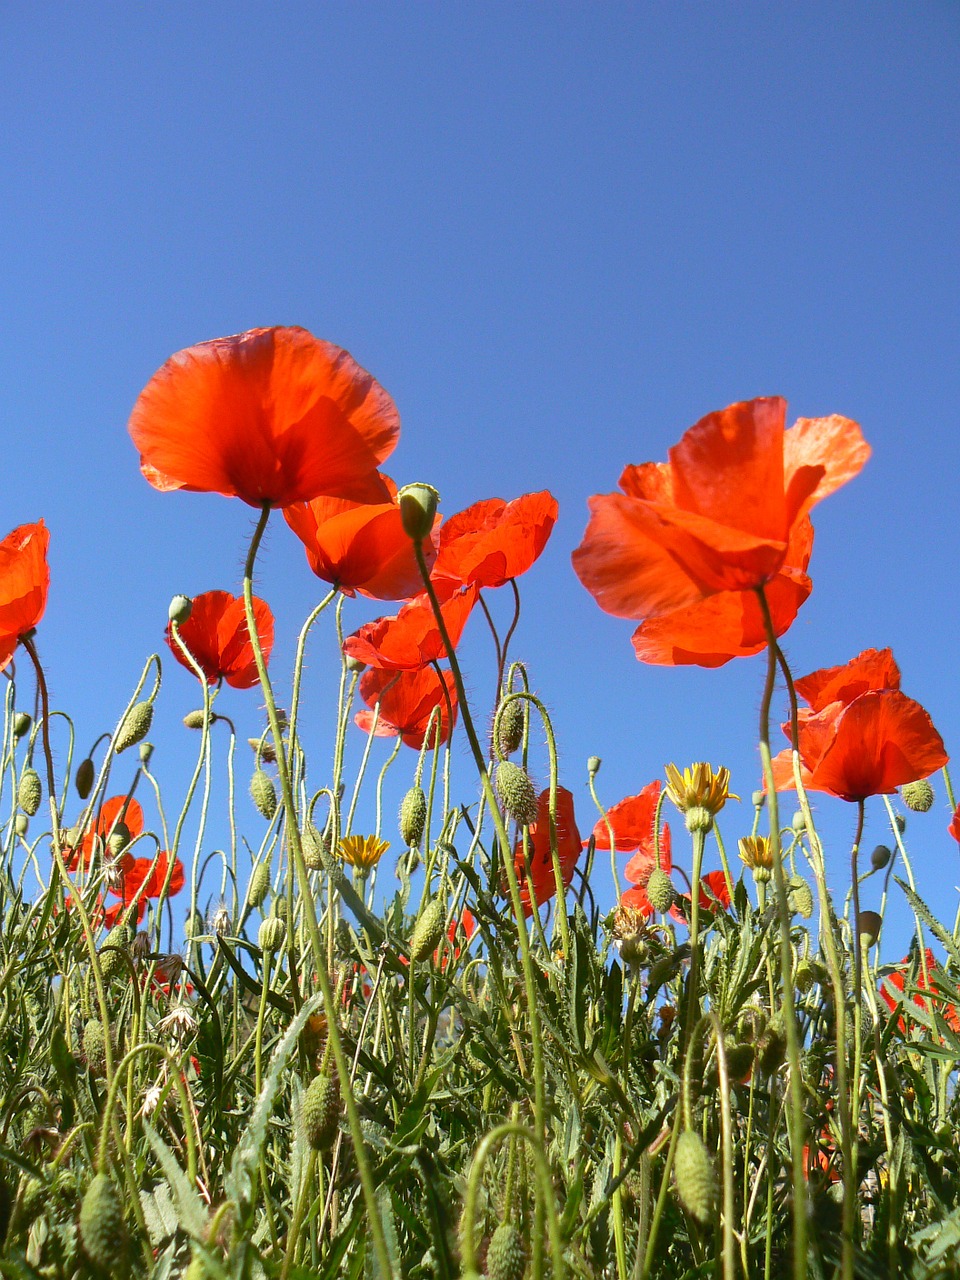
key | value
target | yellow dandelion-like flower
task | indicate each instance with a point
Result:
(363, 852)
(699, 792)
(755, 853)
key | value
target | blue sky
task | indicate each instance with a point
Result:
(558, 235)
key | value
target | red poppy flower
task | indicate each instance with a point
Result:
(632, 823)
(719, 515)
(914, 969)
(861, 736)
(494, 541)
(360, 546)
(412, 639)
(113, 812)
(24, 582)
(569, 846)
(137, 879)
(714, 891)
(217, 636)
(729, 624)
(407, 700)
(954, 827)
(270, 416)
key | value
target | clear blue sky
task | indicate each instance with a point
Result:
(558, 235)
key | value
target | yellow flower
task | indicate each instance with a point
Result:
(755, 852)
(363, 852)
(699, 793)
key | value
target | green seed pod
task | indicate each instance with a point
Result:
(83, 779)
(917, 796)
(271, 934)
(118, 839)
(21, 725)
(418, 509)
(510, 728)
(413, 817)
(320, 1112)
(259, 884)
(29, 792)
(94, 1045)
(135, 726)
(506, 1256)
(798, 822)
(660, 891)
(180, 609)
(516, 791)
(696, 1177)
(880, 857)
(33, 1196)
(145, 751)
(111, 962)
(801, 896)
(428, 930)
(102, 1232)
(264, 793)
(194, 719)
(593, 766)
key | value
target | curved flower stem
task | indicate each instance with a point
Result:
(610, 836)
(795, 1110)
(693, 996)
(310, 915)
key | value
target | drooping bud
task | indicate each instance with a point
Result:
(506, 1256)
(180, 609)
(918, 796)
(418, 509)
(21, 725)
(413, 817)
(517, 793)
(111, 961)
(94, 1045)
(313, 844)
(880, 857)
(21, 824)
(320, 1111)
(798, 822)
(194, 719)
(263, 793)
(259, 884)
(801, 896)
(355, 665)
(271, 934)
(660, 891)
(83, 779)
(428, 930)
(510, 728)
(29, 792)
(102, 1231)
(696, 1177)
(135, 726)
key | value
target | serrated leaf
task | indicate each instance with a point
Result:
(942, 935)
(191, 1212)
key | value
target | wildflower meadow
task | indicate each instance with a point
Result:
(344, 1041)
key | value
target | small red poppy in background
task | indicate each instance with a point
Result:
(729, 624)
(137, 879)
(216, 635)
(860, 735)
(493, 541)
(412, 639)
(407, 700)
(714, 891)
(898, 980)
(632, 822)
(116, 814)
(719, 515)
(360, 546)
(954, 827)
(270, 416)
(24, 582)
(569, 846)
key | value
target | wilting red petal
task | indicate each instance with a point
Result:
(714, 891)
(872, 669)
(217, 636)
(494, 541)
(149, 875)
(412, 639)
(270, 416)
(24, 582)
(569, 846)
(407, 700)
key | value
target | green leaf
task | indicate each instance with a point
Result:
(191, 1212)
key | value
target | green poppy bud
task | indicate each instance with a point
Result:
(83, 780)
(880, 857)
(418, 508)
(918, 796)
(135, 726)
(94, 1045)
(660, 891)
(259, 884)
(506, 1256)
(696, 1177)
(194, 719)
(263, 793)
(320, 1111)
(516, 791)
(428, 930)
(180, 609)
(29, 792)
(510, 727)
(21, 725)
(413, 817)
(271, 934)
(102, 1231)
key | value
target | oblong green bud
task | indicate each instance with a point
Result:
(413, 817)
(102, 1232)
(696, 1177)
(510, 727)
(83, 780)
(21, 824)
(660, 891)
(194, 719)
(29, 792)
(135, 726)
(320, 1111)
(111, 962)
(21, 725)
(801, 896)
(118, 839)
(506, 1256)
(517, 793)
(313, 844)
(418, 509)
(271, 934)
(428, 930)
(263, 793)
(259, 884)
(94, 1045)
(880, 857)
(180, 609)
(918, 796)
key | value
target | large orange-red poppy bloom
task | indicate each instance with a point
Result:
(117, 810)
(494, 541)
(632, 823)
(719, 515)
(270, 416)
(217, 636)
(412, 639)
(24, 581)
(569, 845)
(134, 880)
(360, 546)
(729, 624)
(860, 736)
(407, 700)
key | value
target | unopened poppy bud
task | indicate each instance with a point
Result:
(428, 930)
(102, 1232)
(696, 1177)
(194, 719)
(805, 977)
(313, 844)
(29, 792)
(506, 1256)
(918, 796)
(180, 609)
(355, 665)
(21, 824)
(83, 780)
(145, 751)
(94, 1045)
(660, 891)
(413, 817)
(263, 793)
(880, 857)
(798, 822)
(801, 896)
(259, 884)
(772, 1047)
(516, 791)
(900, 820)
(111, 960)
(135, 726)
(510, 728)
(21, 725)
(868, 926)
(118, 839)
(271, 934)
(759, 799)
(418, 509)
(739, 1060)
(320, 1111)
(593, 766)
